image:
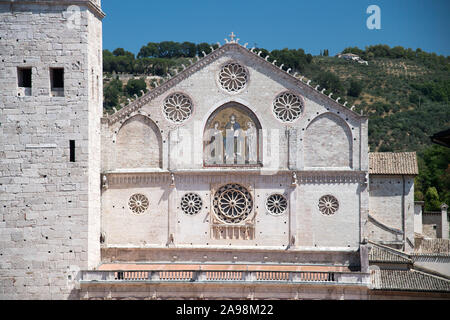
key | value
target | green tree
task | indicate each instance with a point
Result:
(354, 50)
(112, 91)
(296, 59)
(330, 81)
(188, 49)
(355, 89)
(203, 47)
(118, 61)
(397, 52)
(264, 52)
(432, 202)
(134, 86)
(151, 50)
(108, 58)
(169, 49)
(120, 52)
(434, 172)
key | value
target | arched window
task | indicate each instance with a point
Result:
(232, 137)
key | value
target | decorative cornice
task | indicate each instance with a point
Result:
(137, 178)
(88, 3)
(212, 56)
(205, 175)
(330, 177)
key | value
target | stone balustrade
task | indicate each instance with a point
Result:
(203, 276)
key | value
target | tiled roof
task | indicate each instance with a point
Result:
(393, 163)
(380, 253)
(408, 280)
(433, 246)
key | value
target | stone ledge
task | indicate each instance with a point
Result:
(89, 3)
(41, 146)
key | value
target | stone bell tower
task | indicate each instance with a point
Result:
(50, 110)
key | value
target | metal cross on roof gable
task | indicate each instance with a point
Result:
(232, 36)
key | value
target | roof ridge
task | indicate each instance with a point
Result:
(140, 101)
(393, 152)
(429, 275)
(392, 250)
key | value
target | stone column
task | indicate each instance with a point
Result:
(293, 149)
(418, 210)
(293, 211)
(444, 221)
(171, 213)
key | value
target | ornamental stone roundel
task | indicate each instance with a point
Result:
(138, 203)
(287, 107)
(177, 107)
(328, 205)
(232, 203)
(191, 203)
(276, 204)
(233, 77)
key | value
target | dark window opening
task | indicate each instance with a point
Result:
(72, 150)
(57, 78)
(24, 77)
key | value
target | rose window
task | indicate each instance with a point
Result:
(191, 203)
(177, 107)
(232, 203)
(233, 77)
(276, 204)
(287, 107)
(328, 205)
(138, 203)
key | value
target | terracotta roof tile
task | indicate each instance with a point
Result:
(393, 163)
(380, 253)
(408, 280)
(433, 246)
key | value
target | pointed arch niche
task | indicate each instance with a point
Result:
(328, 143)
(232, 137)
(138, 144)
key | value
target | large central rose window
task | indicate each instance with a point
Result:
(232, 203)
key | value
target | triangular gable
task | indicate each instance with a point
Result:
(211, 57)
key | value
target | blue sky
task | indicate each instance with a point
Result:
(312, 25)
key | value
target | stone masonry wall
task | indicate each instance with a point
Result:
(47, 202)
(389, 196)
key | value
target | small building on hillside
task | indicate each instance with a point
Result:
(351, 57)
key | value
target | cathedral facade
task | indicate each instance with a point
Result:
(235, 178)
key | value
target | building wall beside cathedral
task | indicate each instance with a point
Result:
(391, 203)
